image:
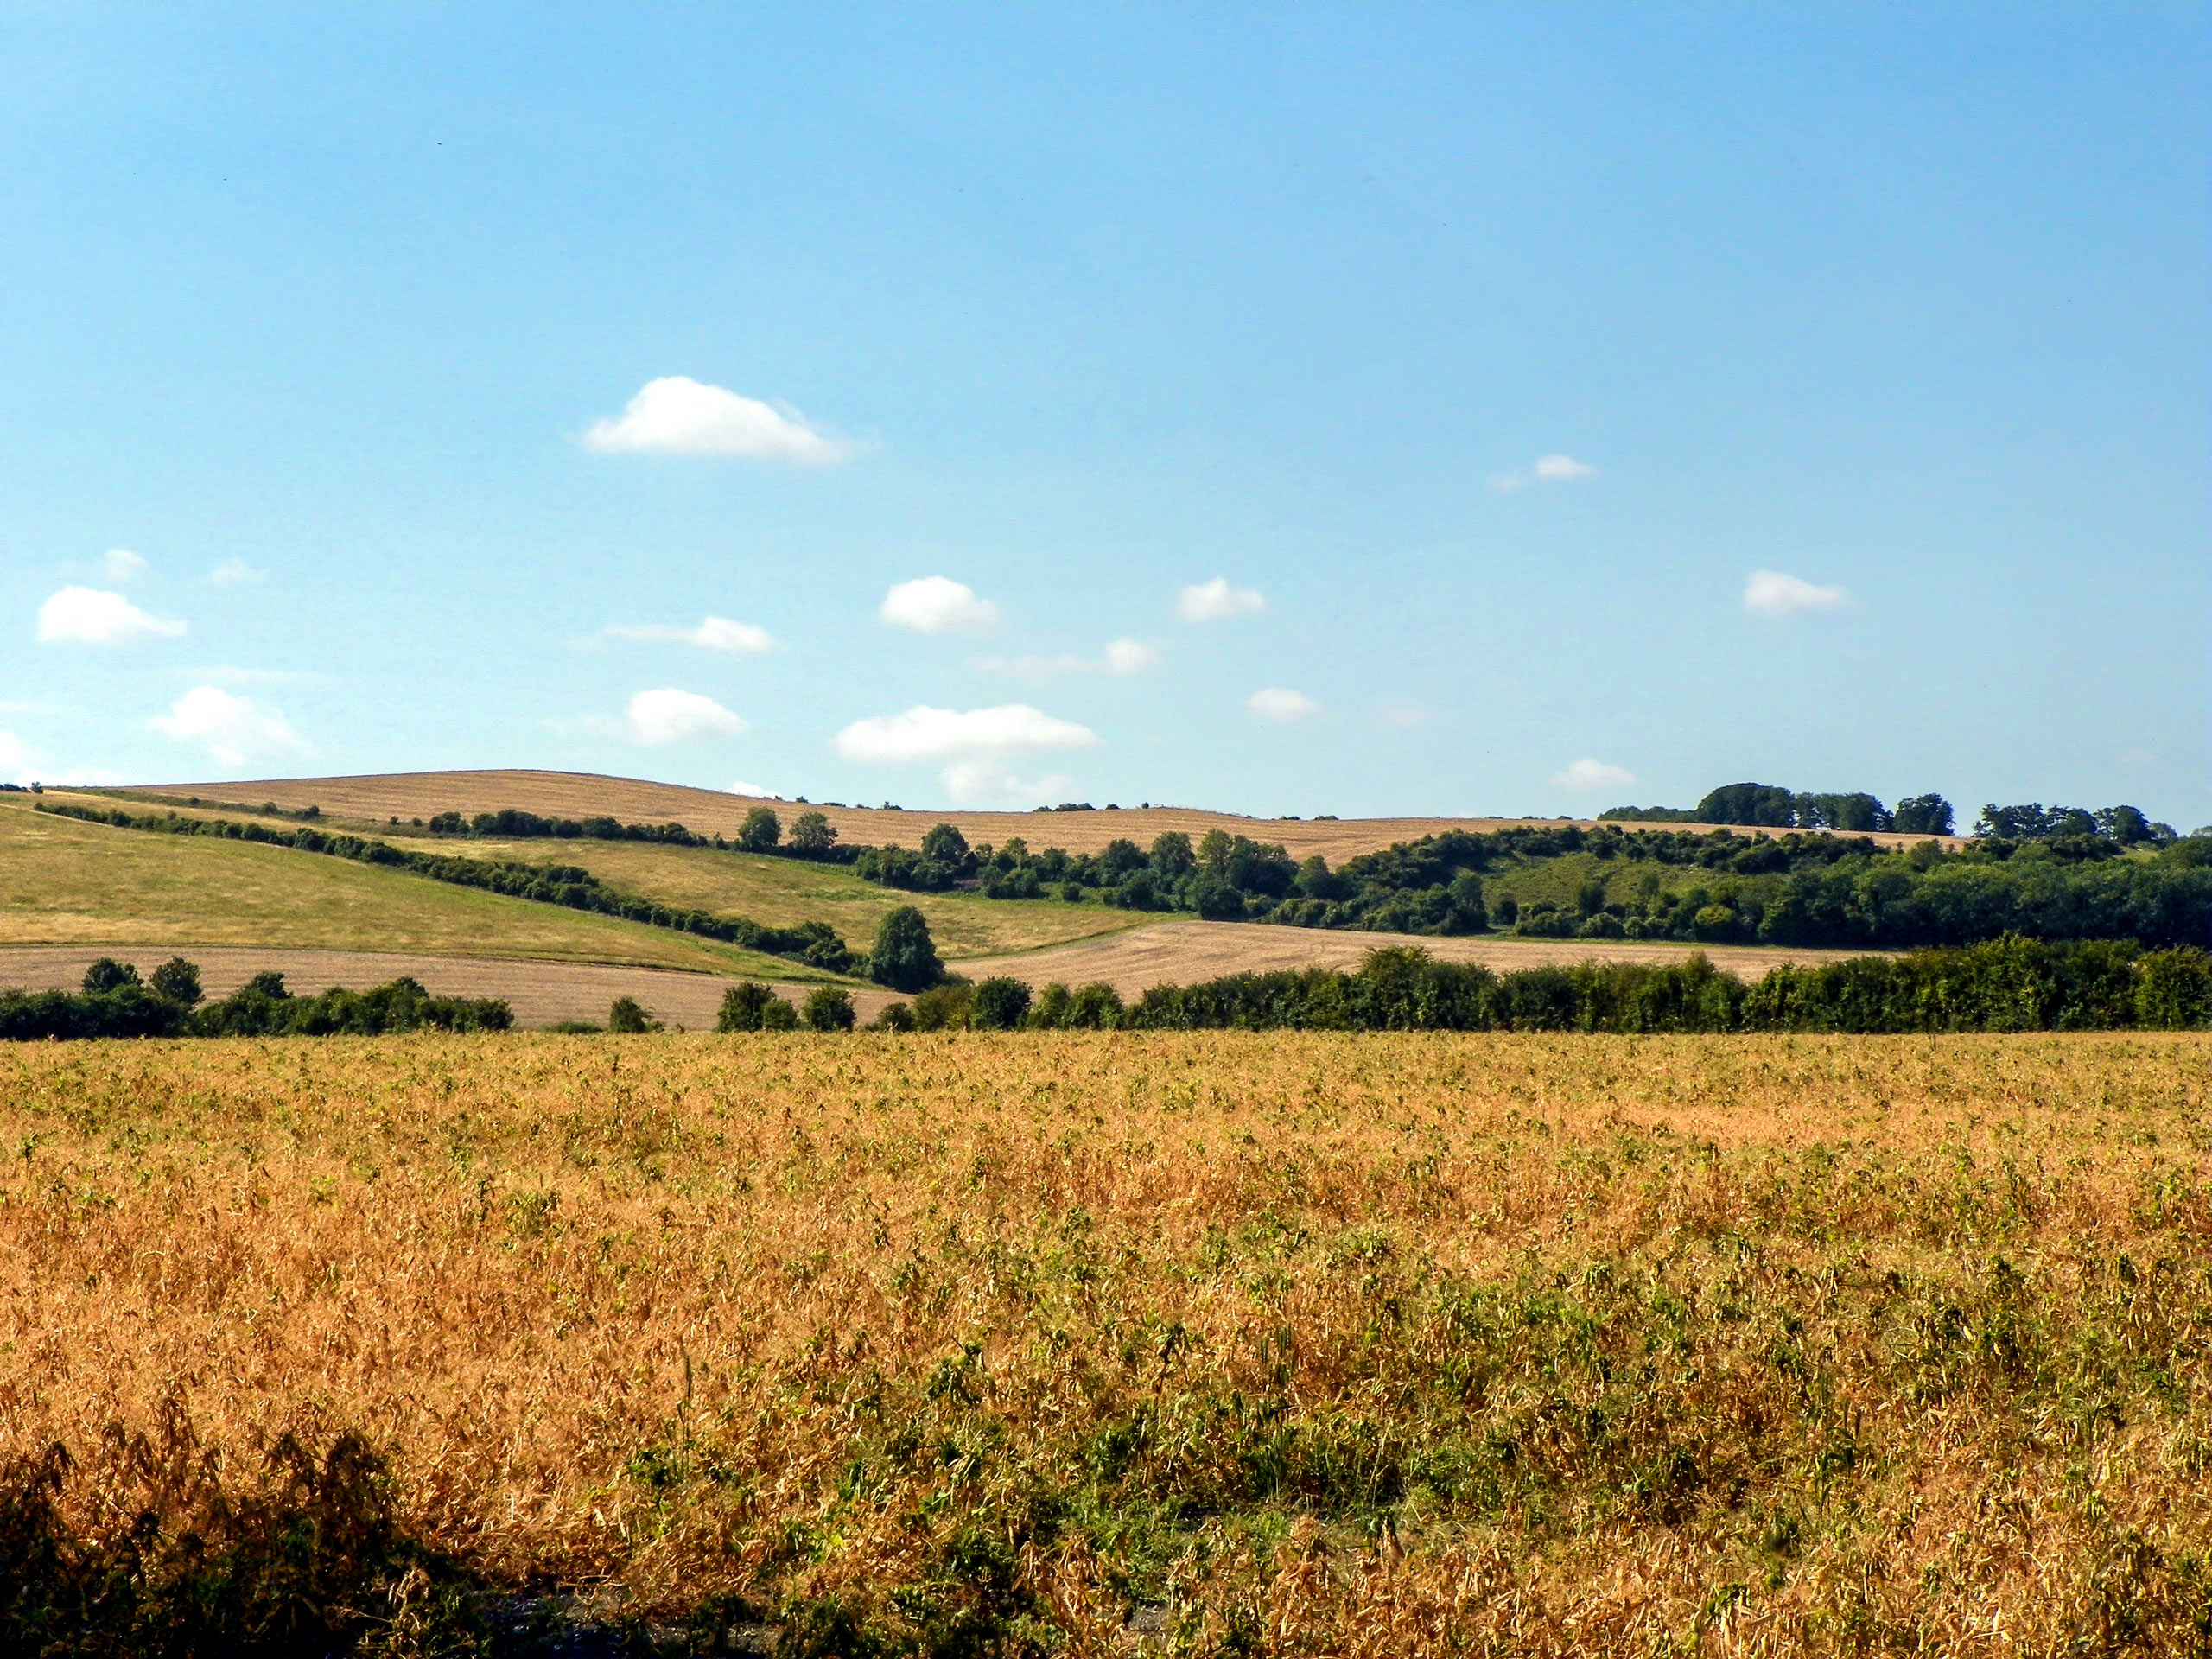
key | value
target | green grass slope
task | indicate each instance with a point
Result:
(64, 882)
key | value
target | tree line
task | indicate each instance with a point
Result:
(112, 1000)
(813, 836)
(1807, 889)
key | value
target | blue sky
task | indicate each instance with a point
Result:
(1285, 410)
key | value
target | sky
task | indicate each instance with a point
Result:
(1366, 410)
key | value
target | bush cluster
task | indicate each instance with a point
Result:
(113, 1001)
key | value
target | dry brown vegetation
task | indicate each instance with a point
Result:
(1288, 1344)
(568, 794)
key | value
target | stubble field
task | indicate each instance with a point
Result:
(1294, 1344)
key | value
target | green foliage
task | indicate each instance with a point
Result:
(108, 975)
(896, 1016)
(827, 1009)
(178, 981)
(745, 1006)
(761, 831)
(626, 1016)
(2010, 984)
(904, 957)
(1922, 814)
(998, 1005)
(813, 836)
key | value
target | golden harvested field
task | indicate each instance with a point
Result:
(568, 794)
(1294, 1345)
(1184, 952)
(65, 882)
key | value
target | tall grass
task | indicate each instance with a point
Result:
(1294, 1344)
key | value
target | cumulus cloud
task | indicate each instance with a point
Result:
(11, 750)
(232, 730)
(715, 634)
(754, 791)
(1276, 703)
(94, 616)
(924, 734)
(1209, 601)
(121, 564)
(1586, 773)
(1546, 469)
(668, 715)
(676, 414)
(975, 782)
(233, 573)
(937, 604)
(1770, 593)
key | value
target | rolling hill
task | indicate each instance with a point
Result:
(408, 795)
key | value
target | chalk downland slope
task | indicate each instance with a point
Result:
(67, 882)
(409, 794)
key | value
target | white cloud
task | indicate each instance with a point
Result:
(1593, 774)
(233, 573)
(1209, 601)
(924, 734)
(232, 730)
(11, 749)
(1547, 469)
(96, 617)
(1769, 592)
(754, 791)
(1131, 656)
(676, 414)
(977, 782)
(120, 564)
(668, 715)
(1120, 657)
(937, 604)
(715, 634)
(1275, 704)
(1403, 715)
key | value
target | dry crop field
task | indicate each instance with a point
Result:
(1294, 1344)
(372, 799)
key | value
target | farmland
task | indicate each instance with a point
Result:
(1296, 1344)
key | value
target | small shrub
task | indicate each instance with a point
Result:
(629, 1017)
(828, 1007)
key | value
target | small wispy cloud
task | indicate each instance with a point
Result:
(1587, 774)
(668, 715)
(715, 634)
(121, 564)
(1772, 593)
(93, 616)
(225, 674)
(676, 414)
(233, 730)
(1402, 716)
(754, 791)
(1119, 656)
(1277, 703)
(234, 573)
(975, 747)
(937, 604)
(1546, 469)
(1211, 602)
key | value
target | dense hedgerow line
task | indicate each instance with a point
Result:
(116, 1002)
(814, 944)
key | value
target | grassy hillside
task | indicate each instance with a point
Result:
(63, 883)
(782, 892)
